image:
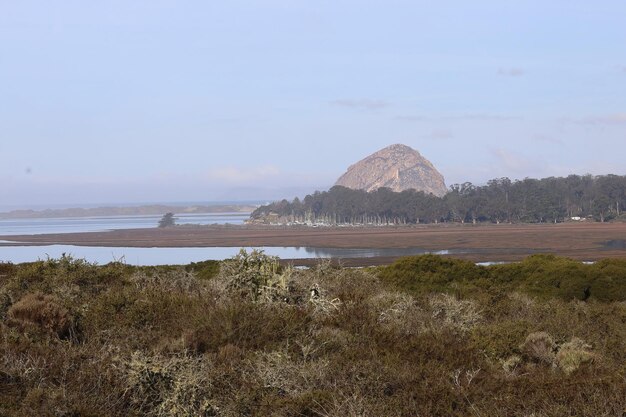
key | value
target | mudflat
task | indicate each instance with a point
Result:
(503, 242)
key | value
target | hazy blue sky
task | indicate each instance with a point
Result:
(151, 100)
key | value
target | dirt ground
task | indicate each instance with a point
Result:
(479, 243)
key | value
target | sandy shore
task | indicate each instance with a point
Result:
(585, 241)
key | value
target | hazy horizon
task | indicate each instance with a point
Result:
(116, 204)
(247, 100)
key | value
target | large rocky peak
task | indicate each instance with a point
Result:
(398, 167)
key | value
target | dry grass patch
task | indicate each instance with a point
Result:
(43, 312)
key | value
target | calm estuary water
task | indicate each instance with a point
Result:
(155, 256)
(101, 224)
(174, 256)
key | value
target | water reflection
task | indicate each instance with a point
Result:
(614, 244)
(370, 253)
(163, 256)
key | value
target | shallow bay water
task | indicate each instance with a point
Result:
(178, 256)
(10, 227)
(157, 256)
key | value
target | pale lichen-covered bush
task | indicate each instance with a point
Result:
(260, 278)
(354, 405)
(391, 305)
(461, 315)
(512, 364)
(255, 275)
(568, 357)
(573, 354)
(176, 386)
(321, 304)
(278, 370)
(399, 312)
(539, 347)
(522, 306)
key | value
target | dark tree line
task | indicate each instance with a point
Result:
(501, 200)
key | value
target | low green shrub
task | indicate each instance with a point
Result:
(7, 269)
(500, 340)
(545, 276)
(552, 276)
(610, 283)
(427, 273)
(204, 270)
(66, 276)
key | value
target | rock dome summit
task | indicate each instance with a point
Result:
(398, 167)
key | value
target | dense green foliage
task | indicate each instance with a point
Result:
(542, 276)
(426, 336)
(422, 274)
(204, 269)
(501, 200)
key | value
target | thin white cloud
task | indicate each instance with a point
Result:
(486, 116)
(511, 72)
(608, 119)
(516, 165)
(234, 175)
(414, 118)
(225, 176)
(361, 104)
(514, 162)
(460, 117)
(548, 139)
(614, 118)
(440, 134)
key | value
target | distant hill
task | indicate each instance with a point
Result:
(148, 210)
(397, 167)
